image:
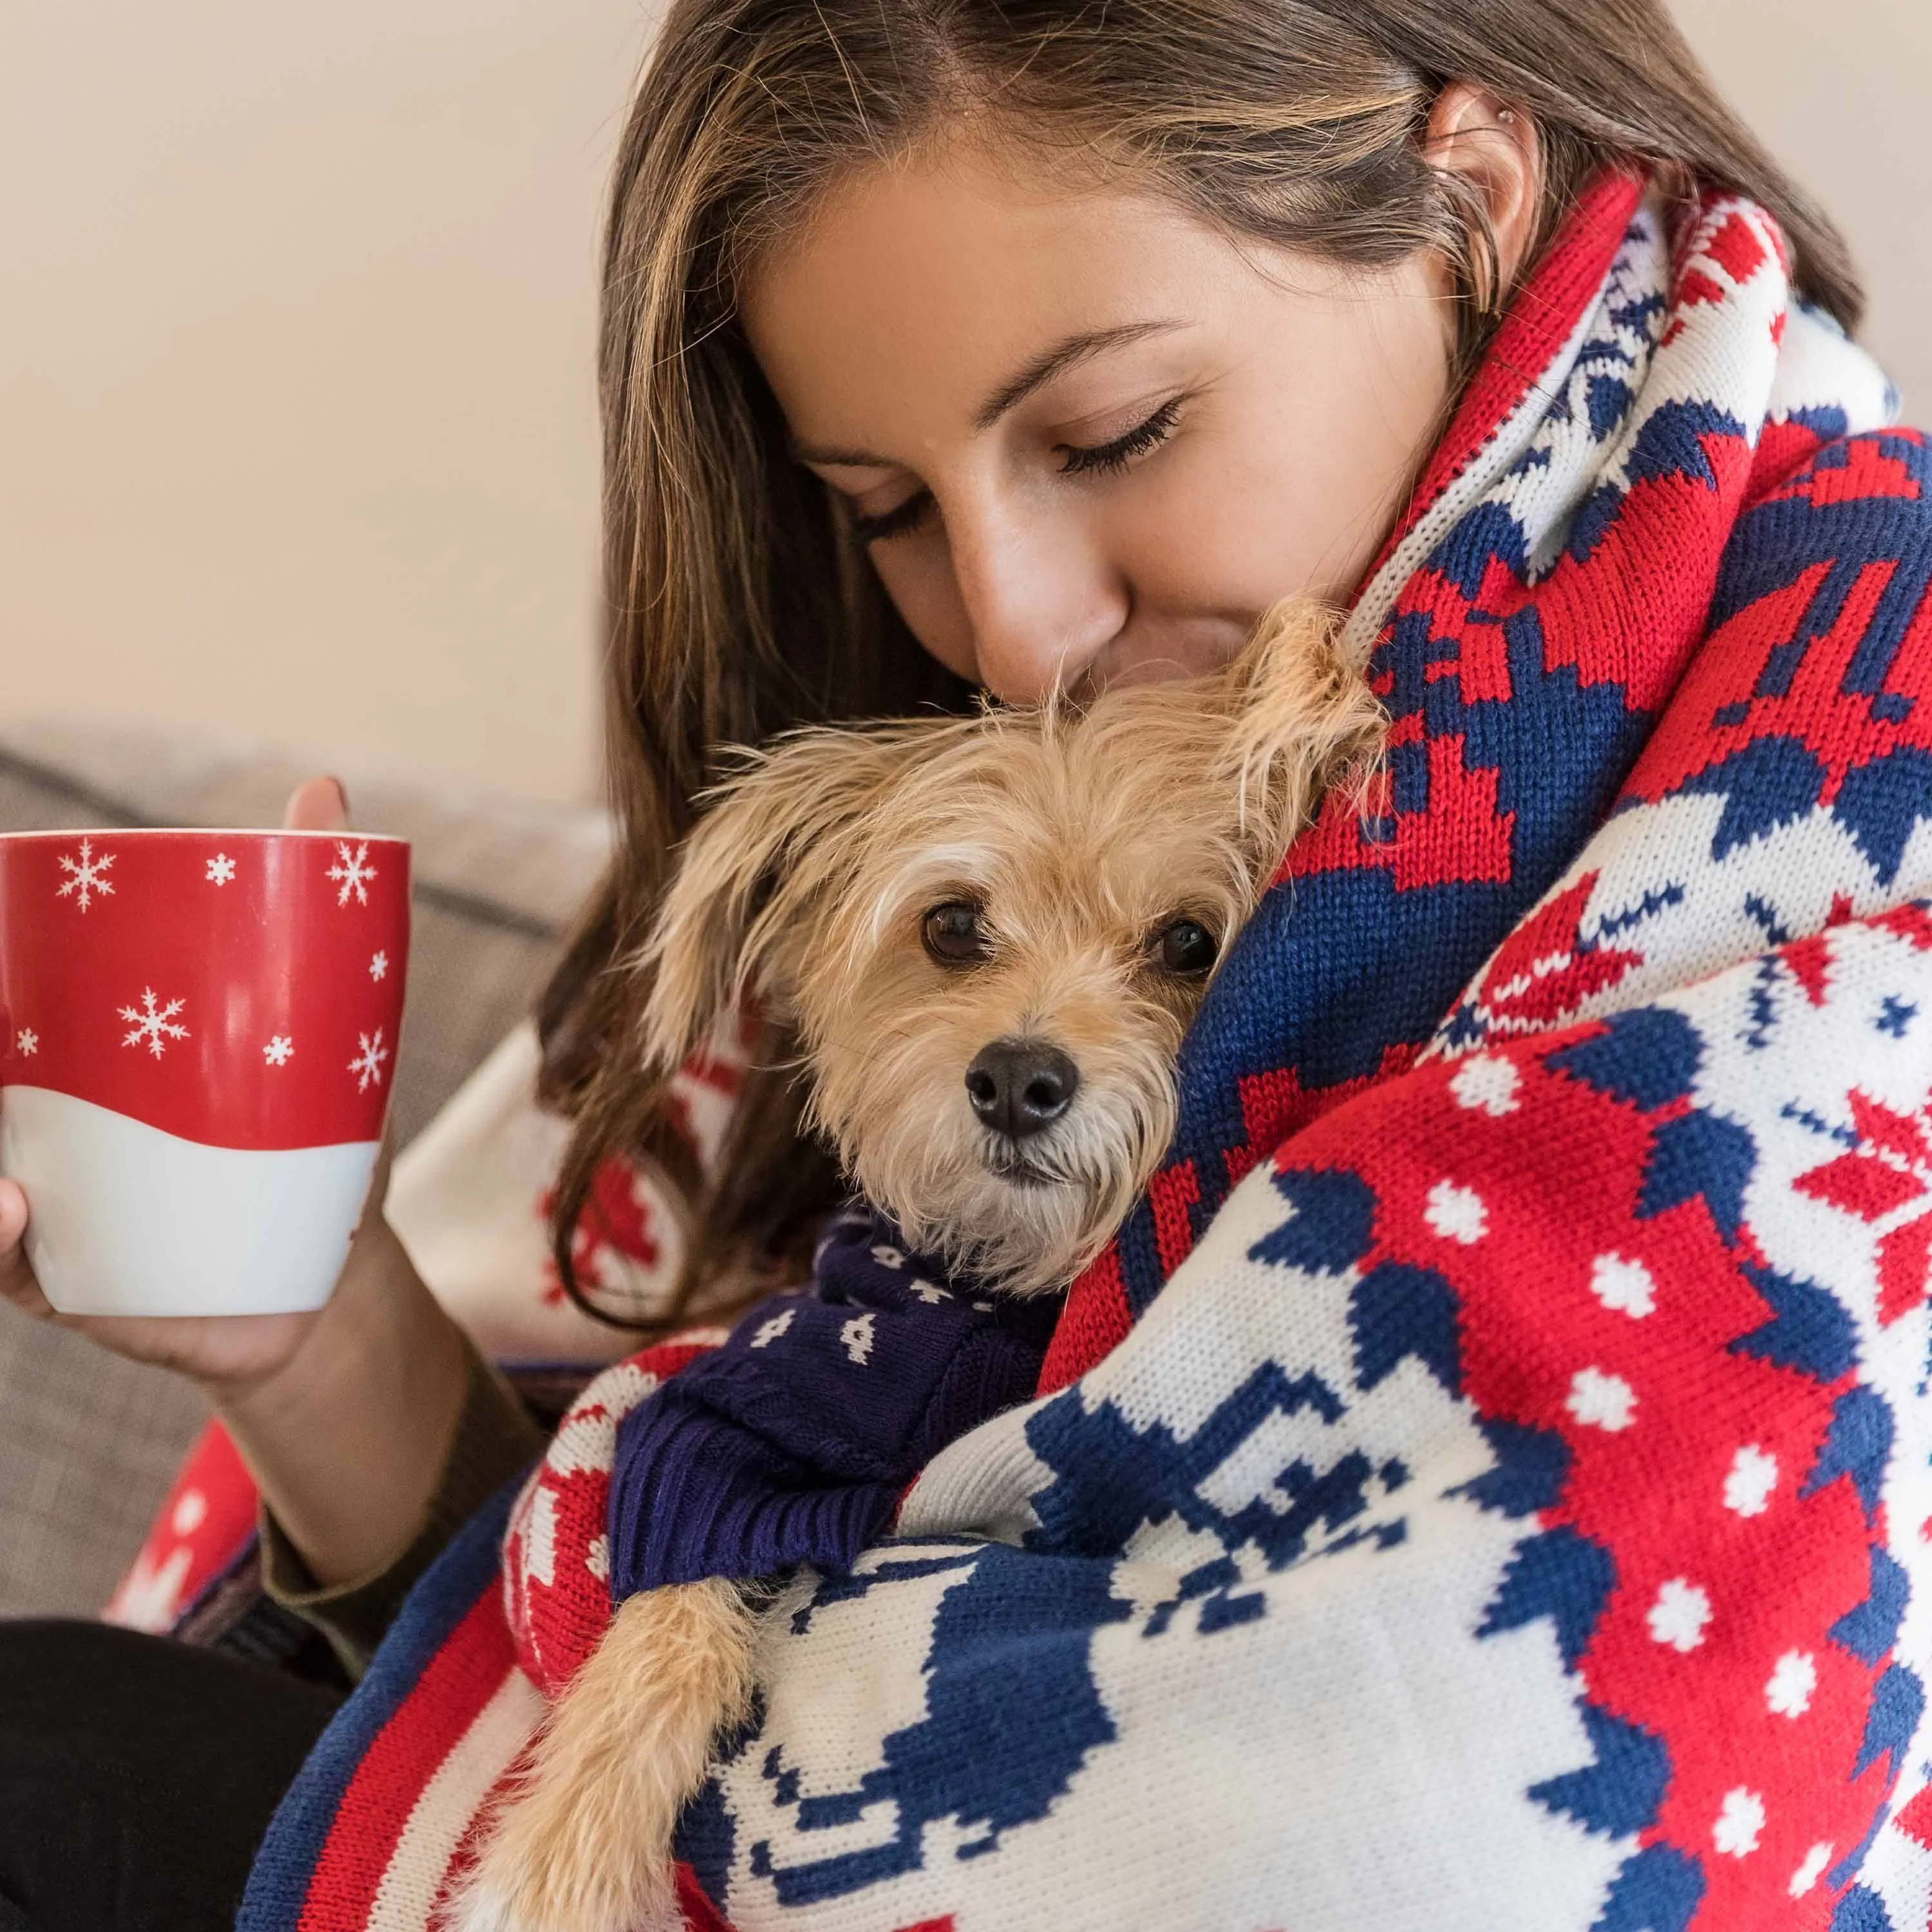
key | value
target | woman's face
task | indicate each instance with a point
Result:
(1085, 436)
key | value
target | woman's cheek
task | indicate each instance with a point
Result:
(1295, 497)
(1227, 521)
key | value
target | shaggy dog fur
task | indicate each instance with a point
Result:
(1056, 883)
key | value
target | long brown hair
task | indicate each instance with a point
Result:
(738, 604)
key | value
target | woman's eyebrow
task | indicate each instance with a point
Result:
(1063, 355)
(840, 459)
(1041, 370)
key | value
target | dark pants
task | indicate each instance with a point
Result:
(137, 1777)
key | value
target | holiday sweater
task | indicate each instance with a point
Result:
(1485, 1483)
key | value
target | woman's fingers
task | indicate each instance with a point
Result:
(317, 805)
(17, 1284)
(215, 1349)
(322, 804)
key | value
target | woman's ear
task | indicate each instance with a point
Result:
(751, 880)
(1492, 151)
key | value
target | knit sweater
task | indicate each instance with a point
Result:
(791, 1441)
(1482, 1488)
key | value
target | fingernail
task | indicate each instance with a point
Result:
(341, 792)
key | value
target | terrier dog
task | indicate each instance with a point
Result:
(988, 935)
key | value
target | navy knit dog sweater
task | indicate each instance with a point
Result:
(793, 1442)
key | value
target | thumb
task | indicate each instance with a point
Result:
(17, 1280)
(13, 1215)
(317, 805)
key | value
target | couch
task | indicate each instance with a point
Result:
(87, 1442)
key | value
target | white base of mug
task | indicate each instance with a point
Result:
(126, 1220)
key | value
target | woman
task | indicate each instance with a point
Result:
(950, 348)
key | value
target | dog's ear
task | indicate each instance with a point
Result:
(739, 910)
(1298, 717)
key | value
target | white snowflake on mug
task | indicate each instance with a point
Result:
(277, 1052)
(379, 967)
(89, 875)
(220, 869)
(352, 871)
(154, 1024)
(367, 1065)
(27, 1043)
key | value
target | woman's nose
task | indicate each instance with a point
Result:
(1042, 600)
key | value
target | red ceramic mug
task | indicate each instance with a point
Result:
(198, 1033)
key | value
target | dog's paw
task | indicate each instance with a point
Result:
(486, 1909)
(479, 1908)
(522, 1889)
(583, 1843)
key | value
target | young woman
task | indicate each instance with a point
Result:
(947, 349)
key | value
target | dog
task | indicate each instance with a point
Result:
(988, 935)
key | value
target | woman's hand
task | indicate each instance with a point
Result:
(345, 1414)
(215, 1350)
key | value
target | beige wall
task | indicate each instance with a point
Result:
(296, 432)
(1842, 92)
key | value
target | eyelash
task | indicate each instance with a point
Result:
(1103, 459)
(892, 523)
(1110, 458)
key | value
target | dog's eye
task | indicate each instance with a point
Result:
(954, 933)
(1188, 946)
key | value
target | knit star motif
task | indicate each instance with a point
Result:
(1888, 1171)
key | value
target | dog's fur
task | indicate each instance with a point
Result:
(1082, 834)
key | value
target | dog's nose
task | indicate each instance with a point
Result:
(1019, 1086)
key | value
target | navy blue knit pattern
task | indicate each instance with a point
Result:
(793, 1441)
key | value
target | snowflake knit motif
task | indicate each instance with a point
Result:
(1753, 1476)
(379, 967)
(1679, 1616)
(89, 875)
(1793, 1678)
(1739, 1823)
(353, 872)
(154, 1024)
(27, 1043)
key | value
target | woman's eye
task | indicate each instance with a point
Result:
(1188, 946)
(955, 934)
(1148, 434)
(895, 522)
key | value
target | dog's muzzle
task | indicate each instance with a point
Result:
(1019, 1087)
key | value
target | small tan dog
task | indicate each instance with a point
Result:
(990, 935)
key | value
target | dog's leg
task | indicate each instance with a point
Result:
(584, 1844)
